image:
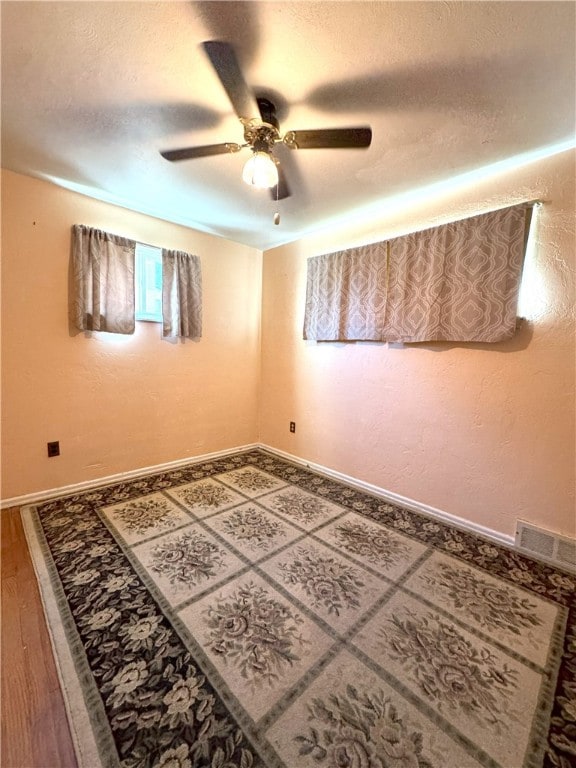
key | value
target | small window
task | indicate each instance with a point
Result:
(148, 283)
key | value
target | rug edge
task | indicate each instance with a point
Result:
(79, 723)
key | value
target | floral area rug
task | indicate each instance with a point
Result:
(249, 612)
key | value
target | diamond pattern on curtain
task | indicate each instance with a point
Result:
(459, 281)
(456, 282)
(102, 276)
(346, 295)
(181, 295)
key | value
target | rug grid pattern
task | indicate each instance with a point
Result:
(247, 611)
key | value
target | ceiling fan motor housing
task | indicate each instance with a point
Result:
(261, 134)
(261, 137)
(262, 144)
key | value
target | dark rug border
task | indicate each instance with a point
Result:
(532, 575)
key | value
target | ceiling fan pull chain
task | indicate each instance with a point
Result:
(277, 215)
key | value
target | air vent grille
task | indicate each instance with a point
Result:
(537, 541)
(557, 549)
(567, 553)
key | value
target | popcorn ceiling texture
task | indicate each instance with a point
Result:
(91, 92)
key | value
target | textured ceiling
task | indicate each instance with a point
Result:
(91, 91)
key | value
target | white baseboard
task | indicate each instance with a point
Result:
(69, 490)
(393, 498)
(401, 501)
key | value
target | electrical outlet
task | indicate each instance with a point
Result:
(292, 426)
(53, 449)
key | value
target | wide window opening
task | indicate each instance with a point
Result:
(455, 282)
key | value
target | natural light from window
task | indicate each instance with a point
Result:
(533, 300)
(148, 283)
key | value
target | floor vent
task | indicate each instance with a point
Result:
(549, 546)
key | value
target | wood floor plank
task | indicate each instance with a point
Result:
(35, 732)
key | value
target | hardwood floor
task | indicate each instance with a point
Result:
(35, 731)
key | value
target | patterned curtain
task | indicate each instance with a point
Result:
(346, 295)
(102, 281)
(181, 295)
(455, 282)
(459, 281)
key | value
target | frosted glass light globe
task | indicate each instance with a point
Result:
(260, 171)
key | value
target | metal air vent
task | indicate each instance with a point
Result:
(547, 545)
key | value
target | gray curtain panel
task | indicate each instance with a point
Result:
(458, 281)
(102, 281)
(455, 282)
(346, 295)
(181, 295)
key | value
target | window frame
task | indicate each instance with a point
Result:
(148, 261)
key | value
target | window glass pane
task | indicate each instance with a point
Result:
(148, 280)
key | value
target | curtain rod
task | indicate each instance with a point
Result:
(124, 237)
(536, 203)
(533, 203)
(149, 245)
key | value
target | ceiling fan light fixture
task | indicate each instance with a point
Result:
(260, 171)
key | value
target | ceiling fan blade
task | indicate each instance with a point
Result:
(329, 138)
(281, 190)
(190, 152)
(224, 61)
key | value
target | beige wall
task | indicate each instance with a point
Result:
(483, 432)
(116, 403)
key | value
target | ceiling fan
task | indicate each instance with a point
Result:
(261, 128)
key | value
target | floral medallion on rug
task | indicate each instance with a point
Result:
(247, 611)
